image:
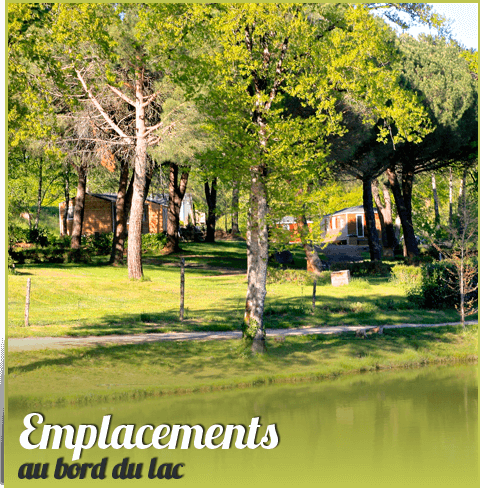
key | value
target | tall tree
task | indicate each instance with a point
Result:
(434, 69)
(268, 52)
(211, 197)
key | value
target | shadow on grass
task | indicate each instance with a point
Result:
(216, 358)
(294, 312)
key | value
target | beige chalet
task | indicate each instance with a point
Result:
(348, 226)
(100, 212)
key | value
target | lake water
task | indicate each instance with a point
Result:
(410, 427)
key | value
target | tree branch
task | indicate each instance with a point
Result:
(121, 95)
(104, 114)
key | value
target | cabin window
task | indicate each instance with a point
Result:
(360, 226)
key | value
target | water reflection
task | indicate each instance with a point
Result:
(407, 427)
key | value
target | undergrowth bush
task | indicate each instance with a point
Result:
(152, 242)
(298, 276)
(23, 235)
(363, 268)
(431, 285)
(97, 244)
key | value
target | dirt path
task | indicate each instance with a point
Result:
(30, 343)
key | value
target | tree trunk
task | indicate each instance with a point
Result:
(462, 196)
(67, 199)
(257, 259)
(407, 225)
(374, 244)
(435, 202)
(314, 264)
(122, 209)
(176, 194)
(211, 197)
(39, 194)
(235, 202)
(450, 199)
(79, 208)
(407, 188)
(380, 210)
(385, 213)
(135, 269)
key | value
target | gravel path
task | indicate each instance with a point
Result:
(60, 342)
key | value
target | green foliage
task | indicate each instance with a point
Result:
(11, 265)
(49, 254)
(296, 276)
(364, 268)
(430, 286)
(298, 86)
(24, 235)
(408, 276)
(152, 242)
(97, 244)
(436, 70)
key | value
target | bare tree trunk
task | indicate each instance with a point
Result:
(450, 199)
(39, 194)
(314, 264)
(79, 207)
(385, 214)
(135, 269)
(235, 202)
(211, 197)
(257, 259)
(408, 232)
(257, 232)
(176, 194)
(435, 202)
(122, 209)
(67, 199)
(380, 210)
(374, 244)
(462, 195)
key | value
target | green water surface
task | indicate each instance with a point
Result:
(410, 427)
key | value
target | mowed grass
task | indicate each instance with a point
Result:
(94, 374)
(97, 299)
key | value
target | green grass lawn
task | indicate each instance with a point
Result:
(97, 299)
(93, 374)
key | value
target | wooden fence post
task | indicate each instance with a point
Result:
(182, 287)
(27, 302)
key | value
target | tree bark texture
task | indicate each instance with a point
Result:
(66, 188)
(385, 214)
(122, 209)
(462, 196)
(39, 194)
(435, 202)
(79, 208)
(176, 192)
(374, 244)
(407, 225)
(135, 269)
(450, 199)
(211, 197)
(235, 203)
(314, 264)
(257, 259)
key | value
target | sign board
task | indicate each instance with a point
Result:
(340, 278)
